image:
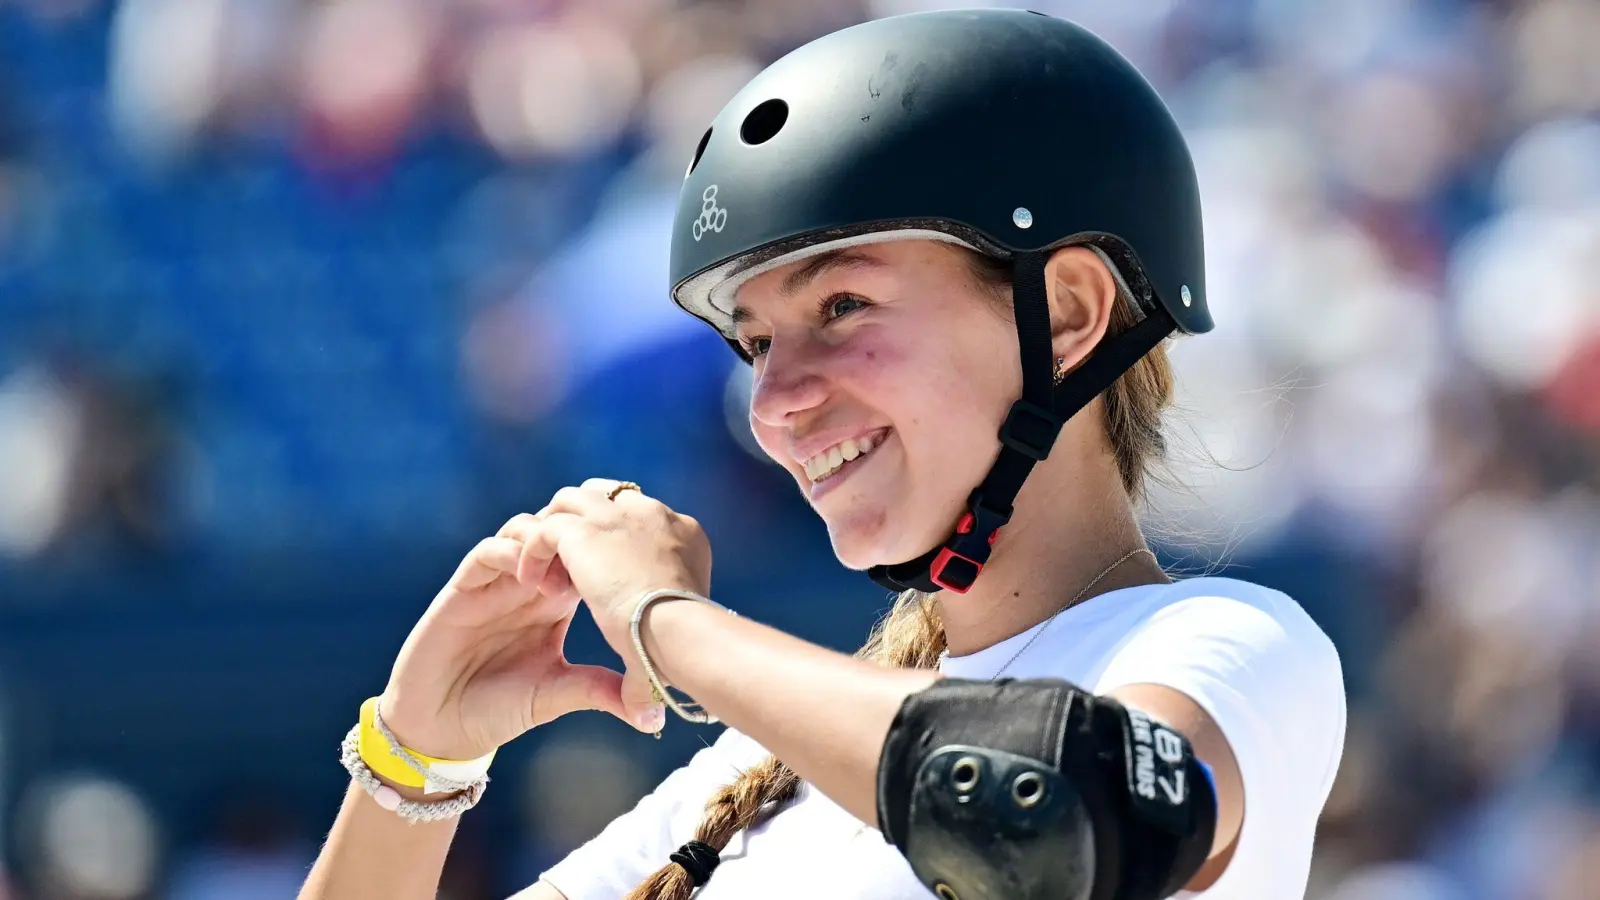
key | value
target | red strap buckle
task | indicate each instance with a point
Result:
(956, 572)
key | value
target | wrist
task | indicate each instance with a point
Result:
(396, 798)
(412, 731)
(372, 744)
(399, 764)
(660, 627)
(653, 635)
(415, 720)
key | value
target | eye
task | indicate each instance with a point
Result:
(755, 346)
(831, 307)
(837, 306)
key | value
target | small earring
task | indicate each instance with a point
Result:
(1061, 369)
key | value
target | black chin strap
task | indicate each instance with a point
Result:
(1029, 431)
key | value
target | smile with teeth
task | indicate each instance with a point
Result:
(827, 463)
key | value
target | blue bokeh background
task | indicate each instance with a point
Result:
(298, 300)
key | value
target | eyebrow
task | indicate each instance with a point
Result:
(815, 268)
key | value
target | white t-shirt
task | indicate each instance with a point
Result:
(1246, 654)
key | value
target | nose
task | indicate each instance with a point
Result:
(785, 387)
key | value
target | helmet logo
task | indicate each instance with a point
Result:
(712, 217)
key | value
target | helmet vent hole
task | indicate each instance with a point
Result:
(699, 152)
(764, 122)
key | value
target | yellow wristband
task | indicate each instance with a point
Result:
(377, 753)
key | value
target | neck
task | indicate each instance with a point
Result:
(1067, 529)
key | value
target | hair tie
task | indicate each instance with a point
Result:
(699, 859)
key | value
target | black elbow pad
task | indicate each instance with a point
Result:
(1036, 789)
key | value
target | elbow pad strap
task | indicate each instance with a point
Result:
(1036, 789)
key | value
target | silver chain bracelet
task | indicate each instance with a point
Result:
(412, 811)
(432, 781)
(687, 710)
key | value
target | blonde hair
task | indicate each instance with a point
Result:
(910, 635)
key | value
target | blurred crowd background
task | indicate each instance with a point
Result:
(298, 299)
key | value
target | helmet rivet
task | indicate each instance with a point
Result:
(1023, 217)
(1188, 298)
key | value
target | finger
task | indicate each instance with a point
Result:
(580, 501)
(541, 545)
(579, 687)
(598, 688)
(519, 526)
(557, 583)
(490, 559)
(638, 700)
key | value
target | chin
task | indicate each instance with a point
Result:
(859, 546)
(857, 559)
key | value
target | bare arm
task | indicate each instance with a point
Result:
(824, 714)
(1211, 746)
(373, 854)
(827, 715)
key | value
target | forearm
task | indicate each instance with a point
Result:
(373, 854)
(823, 713)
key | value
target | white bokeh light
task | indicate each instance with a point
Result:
(92, 838)
(1528, 285)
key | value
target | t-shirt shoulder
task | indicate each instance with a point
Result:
(1222, 636)
(1272, 681)
(639, 842)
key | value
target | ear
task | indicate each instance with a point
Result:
(1082, 293)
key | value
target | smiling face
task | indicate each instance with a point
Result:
(882, 375)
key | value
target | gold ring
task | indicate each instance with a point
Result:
(623, 486)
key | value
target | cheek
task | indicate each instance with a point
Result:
(928, 387)
(946, 403)
(958, 435)
(952, 412)
(878, 369)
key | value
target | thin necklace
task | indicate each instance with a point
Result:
(1070, 604)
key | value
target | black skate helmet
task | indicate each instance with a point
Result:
(958, 126)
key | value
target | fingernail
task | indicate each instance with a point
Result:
(653, 718)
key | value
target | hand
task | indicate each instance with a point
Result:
(486, 663)
(613, 552)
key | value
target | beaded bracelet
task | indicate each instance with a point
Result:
(412, 811)
(687, 709)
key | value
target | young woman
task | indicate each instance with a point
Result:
(951, 245)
